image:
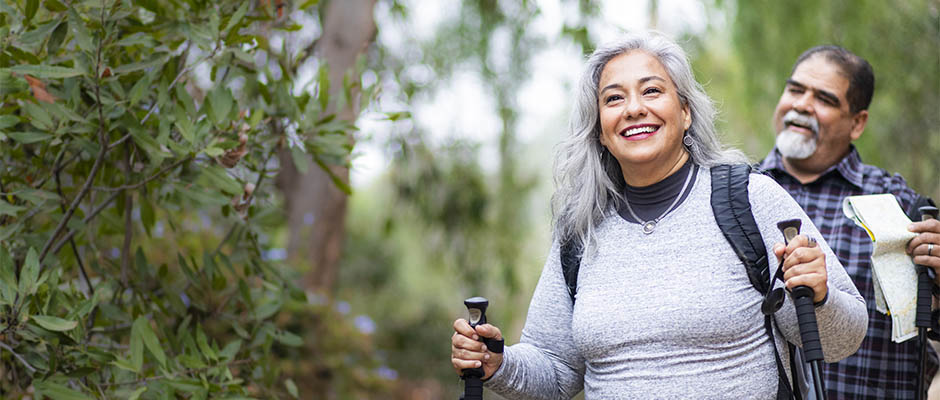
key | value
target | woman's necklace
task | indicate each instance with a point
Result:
(648, 226)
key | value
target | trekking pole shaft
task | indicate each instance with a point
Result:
(473, 388)
(922, 316)
(817, 380)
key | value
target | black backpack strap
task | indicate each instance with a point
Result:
(732, 208)
(570, 264)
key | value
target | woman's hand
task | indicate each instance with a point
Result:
(466, 351)
(804, 265)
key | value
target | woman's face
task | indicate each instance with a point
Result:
(642, 119)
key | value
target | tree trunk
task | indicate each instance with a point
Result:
(316, 208)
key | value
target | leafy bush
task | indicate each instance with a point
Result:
(138, 143)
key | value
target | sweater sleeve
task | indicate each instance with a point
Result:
(843, 319)
(545, 364)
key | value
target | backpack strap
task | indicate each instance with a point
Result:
(732, 208)
(570, 264)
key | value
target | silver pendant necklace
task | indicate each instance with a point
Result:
(649, 226)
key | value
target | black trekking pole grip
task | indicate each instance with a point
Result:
(806, 318)
(473, 377)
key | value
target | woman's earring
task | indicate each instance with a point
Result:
(687, 140)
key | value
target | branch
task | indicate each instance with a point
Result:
(89, 217)
(128, 223)
(78, 257)
(102, 141)
(18, 357)
(75, 202)
(145, 181)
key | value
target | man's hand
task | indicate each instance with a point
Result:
(925, 248)
(804, 265)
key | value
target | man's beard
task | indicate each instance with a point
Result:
(797, 145)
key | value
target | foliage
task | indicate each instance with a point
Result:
(137, 143)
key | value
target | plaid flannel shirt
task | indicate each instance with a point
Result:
(881, 369)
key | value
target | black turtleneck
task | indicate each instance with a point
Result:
(649, 202)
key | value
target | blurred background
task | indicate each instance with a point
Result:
(451, 196)
(340, 250)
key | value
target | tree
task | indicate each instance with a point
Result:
(139, 142)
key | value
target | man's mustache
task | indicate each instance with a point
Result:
(805, 120)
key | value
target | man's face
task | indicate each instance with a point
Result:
(813, 122)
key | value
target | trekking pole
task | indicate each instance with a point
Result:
(472, 377)
(806, 317)
(922, 318)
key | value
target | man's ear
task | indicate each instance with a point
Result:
(858, 124)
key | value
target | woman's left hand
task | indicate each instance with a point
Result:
(804, 264)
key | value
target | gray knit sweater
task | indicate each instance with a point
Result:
(672, 314)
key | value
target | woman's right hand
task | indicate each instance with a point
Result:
(466, 351)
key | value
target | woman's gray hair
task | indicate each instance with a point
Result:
(588, 179)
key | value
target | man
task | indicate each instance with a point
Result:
(823, 108)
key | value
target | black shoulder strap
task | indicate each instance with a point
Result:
(732, 209)
(570, 264)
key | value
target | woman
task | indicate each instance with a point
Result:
(664, 308)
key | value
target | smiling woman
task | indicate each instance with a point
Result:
(633, 191)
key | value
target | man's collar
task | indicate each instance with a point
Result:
(850, 166)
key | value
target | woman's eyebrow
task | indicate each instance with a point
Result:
(641, 81)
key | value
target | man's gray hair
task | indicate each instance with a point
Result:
(588, 180)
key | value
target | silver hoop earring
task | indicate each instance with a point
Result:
(687, 141)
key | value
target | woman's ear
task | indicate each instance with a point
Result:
(687, 114)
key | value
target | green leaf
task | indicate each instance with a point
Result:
(31, 7)
(291, 388)
(149, 145)
(157, 60)
(142, 328)
(58, 35)
(29, 137)
(300, 159)
(289, 339)
(323, 86)
(54, 323)
(309, 3)
(213, 151)
(236, 17)
(216, 176)
(266, 310)
(54, 5)
(29, 274)
(38, 116)
(33, 39)
(203, 344)
(136, 394)
(46, 71)
(78, 28)
(137, 347)
(10, 84)
(220, 104)
(138, 91)
(138, 38)
(9, 209)
(7, 278)
(129, 365)
(231, 349)
(56, 391)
